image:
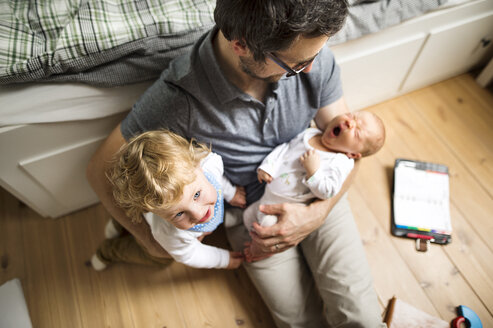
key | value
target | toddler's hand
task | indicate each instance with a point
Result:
(239, 199)
(235, 260)
(253, 253)
(310, 161)
(263, 176)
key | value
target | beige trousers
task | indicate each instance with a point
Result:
(324, 282)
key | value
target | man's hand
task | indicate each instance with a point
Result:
(311, 162)
(235, 260)
(296, 221)
(239, 199)
(263, 176)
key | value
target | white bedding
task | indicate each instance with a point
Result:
(56, 102)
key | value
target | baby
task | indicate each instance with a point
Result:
(178, 187)
(314, 164)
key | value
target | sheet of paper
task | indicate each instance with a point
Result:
(13, 308)
(421, 198)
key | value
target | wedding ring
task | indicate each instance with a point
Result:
(277, 247)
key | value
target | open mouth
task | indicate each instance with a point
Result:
(336, 131)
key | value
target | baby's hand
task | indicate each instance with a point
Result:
(235, 260)
(239, 199)
(263, 176)
(310, 161)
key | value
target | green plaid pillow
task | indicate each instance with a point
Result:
(45, 38)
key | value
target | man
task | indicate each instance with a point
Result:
(253, 82)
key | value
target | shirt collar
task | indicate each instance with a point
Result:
(225, 91)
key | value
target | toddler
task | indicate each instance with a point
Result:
(178, 187)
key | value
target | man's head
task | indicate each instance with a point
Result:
(357, 134)
(152, 171)
(266, 26)
(269, 33)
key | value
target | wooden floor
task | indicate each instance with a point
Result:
(450, 123)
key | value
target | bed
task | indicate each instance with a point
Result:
(69, 75)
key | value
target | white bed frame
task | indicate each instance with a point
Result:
(43, 165)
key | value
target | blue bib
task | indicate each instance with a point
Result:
(217, 219)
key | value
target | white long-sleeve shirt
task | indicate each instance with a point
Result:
(183, 245)
(289, 175)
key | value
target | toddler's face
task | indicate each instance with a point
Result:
(348, 133)
(195, 206)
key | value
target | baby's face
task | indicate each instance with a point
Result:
(349, 133)
(196, 205)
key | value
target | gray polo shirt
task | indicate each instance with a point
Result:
(194, 99)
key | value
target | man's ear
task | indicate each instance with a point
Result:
(354, 155)
(239, 48)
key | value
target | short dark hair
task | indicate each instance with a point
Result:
(272, 25)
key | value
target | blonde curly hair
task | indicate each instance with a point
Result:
(151, 170)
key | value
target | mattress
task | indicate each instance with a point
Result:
(57, 102)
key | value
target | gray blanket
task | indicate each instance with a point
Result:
(367, 16)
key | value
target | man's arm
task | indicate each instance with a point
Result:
(327, 113)
(95, 173)
(296, 221)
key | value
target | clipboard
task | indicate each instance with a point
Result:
(421, 202)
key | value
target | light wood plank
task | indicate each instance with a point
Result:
(451, 107)
(46, 256)
(11, 241)
(102, 299)
(483, 95)
(389, 269)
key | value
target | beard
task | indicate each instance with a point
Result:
(248, 66)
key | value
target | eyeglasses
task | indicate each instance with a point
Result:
(290, 71)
